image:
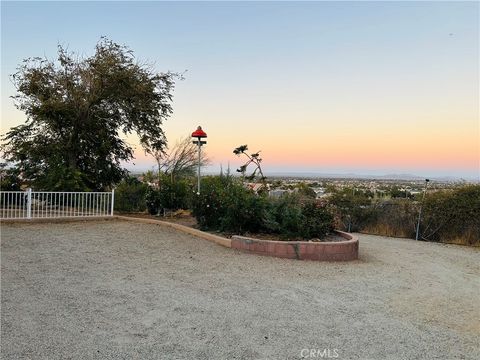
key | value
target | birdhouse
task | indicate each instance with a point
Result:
(199, 133)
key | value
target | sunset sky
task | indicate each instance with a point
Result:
(330, 87)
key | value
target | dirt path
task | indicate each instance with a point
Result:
(115, 289)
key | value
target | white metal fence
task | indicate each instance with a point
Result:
(53, 204)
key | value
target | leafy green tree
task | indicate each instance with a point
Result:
(10, 179)
(77, 111)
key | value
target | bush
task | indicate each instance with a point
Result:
(207, 206)
(226, 205)
(152, 201)
(244, 211)
(130, 195)
(175, 195)
(171, 195)
(316, 221)
(448, 216)
(293, 216)
(285, 216)
(396, 217)
(452, 216)
(353, 211)
(306, 191)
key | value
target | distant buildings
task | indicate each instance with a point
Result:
(276, 193)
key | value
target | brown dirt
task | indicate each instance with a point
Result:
(124, 290)
(182, 217)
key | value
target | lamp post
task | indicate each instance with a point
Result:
(421, 206)
(199, 134)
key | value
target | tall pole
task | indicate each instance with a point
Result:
(29, 203)
(420, 212)
(112, 203)
(199, 161)
(199, 134)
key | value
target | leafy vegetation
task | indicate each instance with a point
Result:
(9, 178)
(305, 190)
(296, 216)
(179, 162)
(77, 109)
(252, 159)
(353, 210)
(227, 205)
(130, 195)
(396, 217)
(171, 195)
(452, 216)
(448, 215)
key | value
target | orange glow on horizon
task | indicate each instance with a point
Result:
(442, 151)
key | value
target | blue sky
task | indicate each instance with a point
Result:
(368, 87)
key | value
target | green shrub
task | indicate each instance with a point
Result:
(285, 216)
(244, 210)
(316, 220)
(225, 204)
(353, 210)
(152, 201)
(452, 216)
(175, 195)
(171, 195)
(448, 215)
(130, 195)
(294, 216)
(207, 207)
(306, 191)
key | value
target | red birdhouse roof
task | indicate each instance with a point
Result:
(199, 133)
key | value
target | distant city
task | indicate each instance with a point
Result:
(376, 187)
(292, 175)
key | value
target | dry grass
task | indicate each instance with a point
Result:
(386, 230)
(468, 238)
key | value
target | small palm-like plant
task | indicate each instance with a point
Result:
(251, 159)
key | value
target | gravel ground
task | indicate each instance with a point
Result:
(121, 290)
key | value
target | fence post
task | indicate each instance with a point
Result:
(113, 201)
(29, 203)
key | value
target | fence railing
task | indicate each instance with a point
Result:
(54, 204)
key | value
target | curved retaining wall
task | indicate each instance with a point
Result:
(302, 250)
